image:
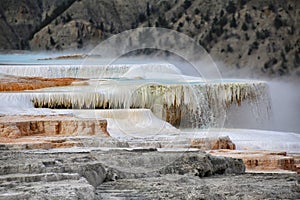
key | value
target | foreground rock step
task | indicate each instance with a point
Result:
(263, 161)
(46, 186)
(76, 173)
(243, 186)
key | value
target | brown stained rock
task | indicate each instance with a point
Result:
(173, 114)
(9, 131)
(71, 56)
(212, 143)
(262, 160)
(45, 132)
(51, 126)
(16, 129)
(297, 168)
(12, 83)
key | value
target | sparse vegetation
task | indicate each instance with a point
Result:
(49, 31)
(187, 4)
(148, 9)
(270, 63)
(291, 30)
(165, 5)
(231, 7)
(278, 23)
(56, 12)
(245, 27)
(229, 48)
(256, 26)
(297, 58)
(248, 18)
(161, 22)
(196, 11)
(142, 17)
(253, 46)
(272, 7)
(233, 23)
(206, 17)
(247, 37)
(52, 42)
(287, 47)
(242, 3)
(223, 21)
(79, 43)
(112, 27)
(263, 34)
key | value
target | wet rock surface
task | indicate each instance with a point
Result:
(36, 162)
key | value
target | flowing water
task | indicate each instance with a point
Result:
(144, 99)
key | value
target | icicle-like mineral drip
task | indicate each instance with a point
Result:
(183, 105)
(222, 95)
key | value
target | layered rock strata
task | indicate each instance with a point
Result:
(36, 174)
(16, 126)
(259, 161)
(92, 173)
(208, 143)
(246, 186)
(32, 132)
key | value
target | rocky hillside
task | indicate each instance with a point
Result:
(261, 34)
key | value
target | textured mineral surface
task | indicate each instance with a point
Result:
(126, 173)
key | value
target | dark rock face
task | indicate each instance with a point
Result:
(246, 186)
(242, 34)
(91, 173)
(204, 166)
(32, 174)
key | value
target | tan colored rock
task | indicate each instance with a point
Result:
(212, 143)
(44, 132)
(297, 168)
(13, 127)
(262, 160)
(9, 131)
(36, 143)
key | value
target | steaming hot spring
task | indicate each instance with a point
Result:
(145, 103)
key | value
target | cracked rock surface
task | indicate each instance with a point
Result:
(130, 173)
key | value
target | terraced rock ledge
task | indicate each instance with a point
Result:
(14, 83)
(35, 132)
(94, 165)
(263, 161)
